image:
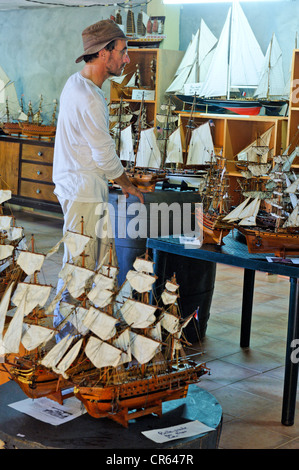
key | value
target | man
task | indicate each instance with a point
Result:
(84, 154)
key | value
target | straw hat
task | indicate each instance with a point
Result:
(98, 35)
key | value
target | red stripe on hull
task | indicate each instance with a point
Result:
(245, 111)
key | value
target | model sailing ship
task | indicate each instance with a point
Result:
(275, 230)
(33, 126)
(211, 216)
(116, 356)
(12, 240)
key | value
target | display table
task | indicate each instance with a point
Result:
(235, 253)
(21, 431)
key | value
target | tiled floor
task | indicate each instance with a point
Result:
(247, 383)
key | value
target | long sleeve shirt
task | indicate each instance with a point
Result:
(84, 152)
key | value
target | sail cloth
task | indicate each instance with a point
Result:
(75, 315)
(144, 265)
(35, 335)
(102, 354)
(75, 243)
(12, 338)
(100, 323)
(36, 294)
(272, 82)
(68, 359)
(8, 96)
(30, 262)
(126, 144)
(75, 278)
(174, 151)
(148, 153)
(57, 352)
(170, 322)
(139, 281)
(137, 314)
(4, 304)
(238, 59)
(100, 297)
(143, 348)
(5, 222)
(123, 343)
(201, 148)
(14, 233)
(5, 194)
(6, 251)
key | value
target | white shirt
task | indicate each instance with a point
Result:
(84, 151)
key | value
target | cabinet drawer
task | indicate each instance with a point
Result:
(37, 172)
(37, 153)
(38, 191)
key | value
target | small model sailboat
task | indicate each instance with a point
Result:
(271, 88)
(236, 65)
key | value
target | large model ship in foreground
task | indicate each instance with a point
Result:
(122, 353)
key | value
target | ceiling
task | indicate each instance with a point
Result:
(17, 4)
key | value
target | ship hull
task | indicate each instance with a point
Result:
(212, 229)
(144, 395)
(37, 382)
(224, 106)
(146, 180)
(35, 130)
(279, 243)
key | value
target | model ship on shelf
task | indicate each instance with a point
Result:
(269, 220)
(11, 110)
(12, 240)
(215, 203)
(33, 126)
(234, 71)
(115, 356)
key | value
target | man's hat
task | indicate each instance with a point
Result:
(98, 35)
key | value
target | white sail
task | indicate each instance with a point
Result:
(12, 337)
(30, 262)
(138, 314)
(55, 354)
(100, 323)
(272, 84)
(195, 63)
(201, 148)
(293, 188)
(168, 297)
(14, 233)
(35, 335)
(148, 153)
(126, 144)
(144, 265)
(171, 286)
(4, 304)
(100, 297)
(78, 278)
(5, 195)
(258, 150)
(6, 251)
(103, 281)
(75, 243)
(75, 315)
(123, 343)
(174, 151)
(238, 59)
(235, 213)
(155, 331)
(293, 219)
(108, 270)
(250, 212)
(68, 359)
(5, 222)
(143, 348)
(170, 322)
(139, 281)
(102, 354)
(36, 294)
(8, 97)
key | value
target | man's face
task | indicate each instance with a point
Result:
(118, 58)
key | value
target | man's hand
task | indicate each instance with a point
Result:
(129, 188)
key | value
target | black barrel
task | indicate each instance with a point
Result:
(164, 212)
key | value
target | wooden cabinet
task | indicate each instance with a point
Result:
(26, 167)
(231, 134)
(293, 131)
(156, 68)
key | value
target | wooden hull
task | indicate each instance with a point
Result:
(212, 229)
(146, 180)
(142, 394)
(11, 128)
(224, 106)
(37, 382)
(36, 130)
(279, 243)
